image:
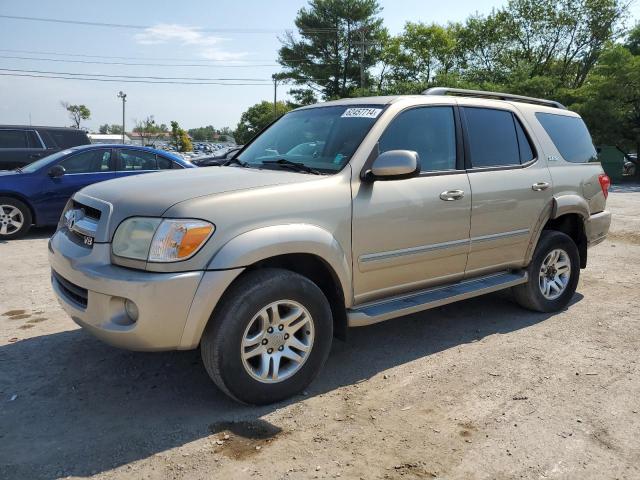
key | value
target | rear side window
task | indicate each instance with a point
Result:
(526, 152)
(493, 140)
(164, 163)
(570, 136)
(137, 160)
(67, 138)
(13, 139)
(430, 131)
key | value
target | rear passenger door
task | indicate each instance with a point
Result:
(19, 147)
(510, 188)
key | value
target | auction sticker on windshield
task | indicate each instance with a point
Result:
(361, 112)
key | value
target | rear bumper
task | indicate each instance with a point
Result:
(173, 308)
(597, 227)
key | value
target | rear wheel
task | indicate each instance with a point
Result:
(15, 218)
(269, 338)
(553, 274)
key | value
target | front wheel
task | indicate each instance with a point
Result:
(269, 338)
(15, 218)
(553, 274)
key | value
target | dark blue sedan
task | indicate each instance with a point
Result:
(37, 193)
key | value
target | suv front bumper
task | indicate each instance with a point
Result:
(173, 308)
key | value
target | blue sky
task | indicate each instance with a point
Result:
(174, 34)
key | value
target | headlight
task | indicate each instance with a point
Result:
(158, 240)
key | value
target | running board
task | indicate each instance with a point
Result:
(375, 312)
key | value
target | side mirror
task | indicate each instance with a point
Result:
(56, 171)
(394, 165)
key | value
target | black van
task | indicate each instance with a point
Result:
(21, 145)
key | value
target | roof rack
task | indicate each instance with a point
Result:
(495, 95)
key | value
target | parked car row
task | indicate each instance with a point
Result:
(36, 194)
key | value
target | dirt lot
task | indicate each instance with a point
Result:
(481, 389)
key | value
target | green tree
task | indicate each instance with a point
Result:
(147, 130)
(609, 101)
(185, 142)
(256, 118)
(77, 113)
(180, 138)
(115, 129)
(203, 134)
(324, 58)
(103, 128)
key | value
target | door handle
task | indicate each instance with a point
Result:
(540, 186)
(451, 195)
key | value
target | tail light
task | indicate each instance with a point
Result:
(605, 183)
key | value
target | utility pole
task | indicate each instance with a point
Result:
(275, 96)
(363, 50)
(123, 96)
(362, 47)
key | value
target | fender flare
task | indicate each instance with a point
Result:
(557, 206)
(572, 203)
(267, 242)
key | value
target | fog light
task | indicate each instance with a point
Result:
(132, 310)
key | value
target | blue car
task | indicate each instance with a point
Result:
(37, 193)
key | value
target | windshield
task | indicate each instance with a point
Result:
(43, 162)
(321, 138)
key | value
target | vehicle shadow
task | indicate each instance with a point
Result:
(34, 234)
(83, 407)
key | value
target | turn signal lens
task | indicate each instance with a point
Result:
(176, 240)
(193, 239)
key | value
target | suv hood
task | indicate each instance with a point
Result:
(152, 194)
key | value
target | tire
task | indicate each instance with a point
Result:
(15, 218)
(244, 314)
(559, 287)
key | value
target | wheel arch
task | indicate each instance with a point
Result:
(23, 199)
(566, 214)
(259, 245)
(308, 250)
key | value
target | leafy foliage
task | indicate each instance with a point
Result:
(323, 59)
(258, 117)
(147, 129)
(77, 113)
(180, 138)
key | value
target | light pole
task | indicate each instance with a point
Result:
(123, 96)
(275, 95)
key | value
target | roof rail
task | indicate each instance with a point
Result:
(495, 95)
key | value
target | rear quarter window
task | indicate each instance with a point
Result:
(570, 136)
(67, 138)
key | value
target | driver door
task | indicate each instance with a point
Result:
(410, 234)
(81, 169)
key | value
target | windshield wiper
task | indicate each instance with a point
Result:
(235, 160)
(299, 167)
(18, 169)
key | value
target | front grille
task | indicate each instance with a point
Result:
(90, 212)
(82, 222)
(71, 291)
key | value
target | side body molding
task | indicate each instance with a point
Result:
(262, 243)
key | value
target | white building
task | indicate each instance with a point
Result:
(108, 138)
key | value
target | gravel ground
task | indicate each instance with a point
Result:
(479, 389)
